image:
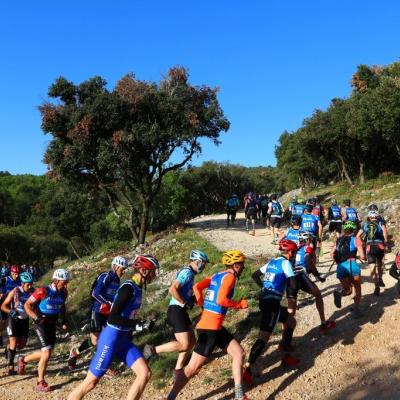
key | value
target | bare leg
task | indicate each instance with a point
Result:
(143, 375)
(235, 350)
(88, 384)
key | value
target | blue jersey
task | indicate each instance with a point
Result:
(301, 261)
(9, 284)
(185, 277)
(277, 209)
(210, 299)
(276, 274)
(351, 214)
(335, 213)
(19, 300)
(133, 305)
(309, 223)
(53, 301)
(104, 289)
(293, 235)
(298, 209)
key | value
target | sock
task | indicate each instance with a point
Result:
(171, 397)
(257, 349)
(287, 336)
(238, 392)
(11, 356)
(86, 344)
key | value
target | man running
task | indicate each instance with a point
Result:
(102, 294)
(348, 271)
(276, 211)
(44, 307)
(299, 207)
(264, 210)
(335, 219)
(291, 204)
(250, 211)
(220, 288)
(294, 231)
(177, 314)
(18, 321)
(304, 265)
(349, 213)
(115, 338)
(376, 236)
(232, 205)
(272, 279)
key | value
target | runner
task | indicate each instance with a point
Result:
(304, 265)
(250, 211)
(349, 213)
(276, 211)
(7, 284)
(115, 340)
(293, 232)
(18, 321)
(292, 204)
(211, 333)
(376, 236)
(335, 219)
(298, 208)
(311, 223)
(232, 205)
(102, 294)
(318, 209)
(348, 271)
(272, 279)
(264, 210)
(177, 314)
(45, 306)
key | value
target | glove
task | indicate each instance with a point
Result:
(105, 308)
(242, 303)
(191, 302)
(39, 320)
(144, 324)
(14, 314)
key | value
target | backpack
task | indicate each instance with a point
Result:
(371, 231)
(276, 208)
(264, 203)
(342, 251)
(94, 284)
(231, 203)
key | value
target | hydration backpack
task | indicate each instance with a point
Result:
(231, 203)
(276, 208)
(371, 231)
(264, 203)
(343, 251)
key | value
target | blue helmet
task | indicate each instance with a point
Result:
(199, 255)
(26, 277)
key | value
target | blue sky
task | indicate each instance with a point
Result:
(274, 61)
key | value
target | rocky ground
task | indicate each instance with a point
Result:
(358, 360)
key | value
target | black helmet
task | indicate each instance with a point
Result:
(308, 208)
(372, 207)
(295, 220)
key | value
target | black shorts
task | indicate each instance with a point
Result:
(264, 212)
(276, 222)
(251, 213)
(46, 333)
(231, 212)
(18, 327)
(178, 318)
(375, 253)
(335, 226)
(208, 339)
(97, 322)
(271, 312)
(304, 283)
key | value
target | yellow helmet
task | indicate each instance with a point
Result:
(231, 257)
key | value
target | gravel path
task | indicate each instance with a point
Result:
(358, 360)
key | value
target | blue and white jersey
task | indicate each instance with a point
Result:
(298, 209)
(53, 300)
(335, 213)
(301, 261)
(210, 300)
(19, 300)
(309, 223)
(9, 284)
(293, 235)
(185, 277)
(351, 214)
(104, 290)
(276, 274)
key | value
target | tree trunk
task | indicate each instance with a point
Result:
(132, 225)
(344, 169)
(144, 222)
(361, 172)
(74, 250)
(398, 149)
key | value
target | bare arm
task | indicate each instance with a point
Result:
(6, 306)
(174, 291)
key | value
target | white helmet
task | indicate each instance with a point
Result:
(119, 261)
(61, 275)
(373, 214)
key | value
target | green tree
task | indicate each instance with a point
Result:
(126, 140)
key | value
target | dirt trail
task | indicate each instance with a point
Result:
(358, 360)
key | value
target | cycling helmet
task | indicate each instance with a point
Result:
(347, 202)
(333, 202)
(231, 257)
(300, 200)
(198, 255)
(304, 236)
(373, 214)
(373, 207)
(146, 261)
(312, 201)
(26, 277)
(308, 208)
(295, 220)
(61, 275)
(120, 261)
(349, 226)
(287, 245)
(16, 269)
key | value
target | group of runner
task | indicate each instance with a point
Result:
(115, 306)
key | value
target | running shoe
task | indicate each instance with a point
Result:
(377, 290)
(21, 365)
(11, 372)
(327, 326)
(72, 359)
(149, 351)
(42, 386)
(381, 283)
(337, 298)
(248, 377)
(290, 361)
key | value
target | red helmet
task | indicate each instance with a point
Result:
(146, 261)
(287, 245)
(16, 269)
